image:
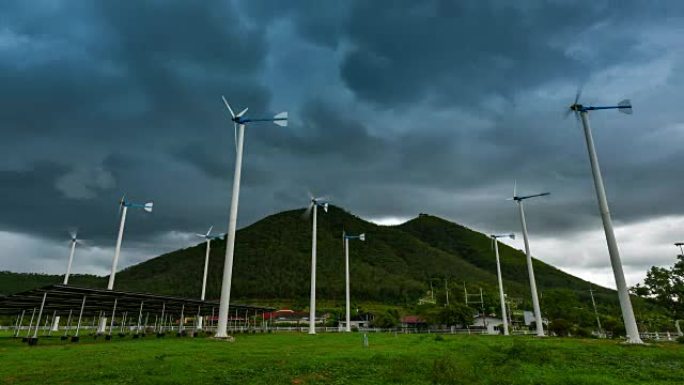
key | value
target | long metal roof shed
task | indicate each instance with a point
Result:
(62, 299)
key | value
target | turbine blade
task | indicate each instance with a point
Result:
(209, 231)
(567, 113)
(228, 105)
(241, 113)
(307, 212)
(578, 94)
(201, 235)
(515, 188)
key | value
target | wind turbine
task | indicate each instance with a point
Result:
(495, 244)
(74, 241)
(208, 238)
(314, 204)
(581, 111)
(239, 123)
(123, 209)
(530, 268)
(346, 238)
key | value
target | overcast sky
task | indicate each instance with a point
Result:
(396, 108)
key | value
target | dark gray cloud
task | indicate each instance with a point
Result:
(396, 108)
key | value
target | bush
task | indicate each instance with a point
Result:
(582, 332)
(439, 337)
(560, 326)
(680, 339)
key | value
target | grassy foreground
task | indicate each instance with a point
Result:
(341, 359)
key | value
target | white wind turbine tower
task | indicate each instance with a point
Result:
(495, 244)
(582, 112)
(239, 123)
(208, 238)
(74, 241)
(123, 210)
(346, 238)
(315, 203)
(530, 268)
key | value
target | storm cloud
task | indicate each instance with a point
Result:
(396, 108)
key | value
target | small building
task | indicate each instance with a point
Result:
(529, 318)
(342, 325)
(287, 316)
(413, 321)
(491, 324)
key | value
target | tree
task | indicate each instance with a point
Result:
(560, 327)
(665, 286)
(386, 319)
(456, 314)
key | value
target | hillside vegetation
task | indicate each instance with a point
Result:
(395, 266)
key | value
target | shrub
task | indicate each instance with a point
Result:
(560, 326)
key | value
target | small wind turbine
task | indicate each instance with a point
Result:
(314, 204)
(346, 238)
(123, 209)
(530, 268)
(495, 244)
(74, 241)
(582, 112)
(239, 123)
(208, 238)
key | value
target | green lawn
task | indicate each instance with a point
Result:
(341, 359)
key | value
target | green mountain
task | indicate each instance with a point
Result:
(394, 266)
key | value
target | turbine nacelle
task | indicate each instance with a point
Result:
(210, 237)
(148, 206)
(239, 118)
(315, 202)
(320, 203)
(361, 237)
(624, 106)
(521, 198)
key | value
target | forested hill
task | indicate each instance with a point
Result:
(394, 265)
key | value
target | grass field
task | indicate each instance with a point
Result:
(341, 359)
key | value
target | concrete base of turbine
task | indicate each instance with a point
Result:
(634, 342)
(222, 338)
